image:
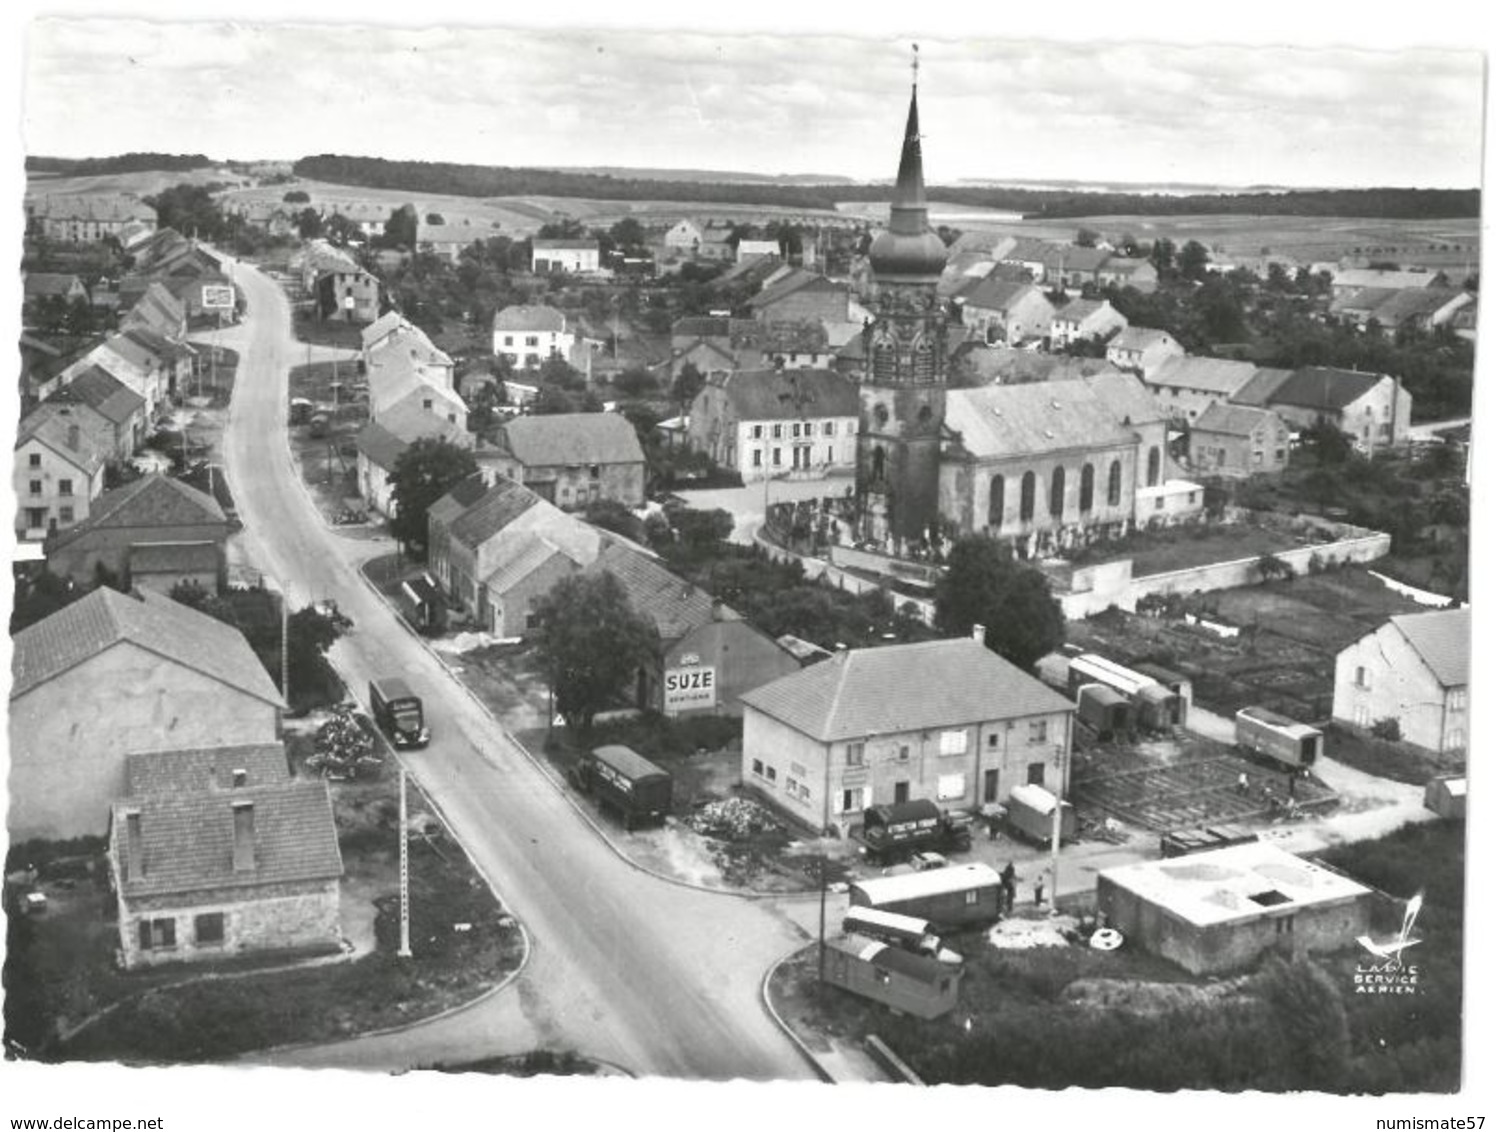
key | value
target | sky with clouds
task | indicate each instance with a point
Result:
(1106, 110)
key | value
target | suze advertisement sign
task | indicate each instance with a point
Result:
(218, 298)
(690, 687)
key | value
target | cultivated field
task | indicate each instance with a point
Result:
(142, 184)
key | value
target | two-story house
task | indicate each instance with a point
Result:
(58, 472)
(946, 720)
(1142, 350)
(1005, 311)
(1236, 440)
(1082, 319)
(1373, 409)
(573, 459)
(530, 334)
(1185, 385)
(769, 422)
(1415, 670)
(555, 255)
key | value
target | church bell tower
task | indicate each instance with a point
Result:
(903, 382)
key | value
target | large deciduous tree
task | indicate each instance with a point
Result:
(590, 643)
(984, 585)
(422, 474)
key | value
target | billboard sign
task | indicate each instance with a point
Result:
(218, 298)
(690, 689)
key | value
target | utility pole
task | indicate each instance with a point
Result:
(285, 647)
(825, 825)
(404, 952)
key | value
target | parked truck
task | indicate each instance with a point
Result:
(398, 712)
(624, 781)
(960, 896)
(1277, 738)
(900, 829)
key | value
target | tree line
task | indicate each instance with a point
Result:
(123, 163)
(490, 181)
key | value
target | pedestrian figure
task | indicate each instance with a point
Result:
(1038, 892)
(992, 828)
(1241, 783)
(1292, 777)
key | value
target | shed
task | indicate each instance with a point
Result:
(901, 980)
(1445, 795)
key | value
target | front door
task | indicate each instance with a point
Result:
(900, 792)
(989, 786)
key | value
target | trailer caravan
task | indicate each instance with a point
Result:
(1154, 705)
(1031, 814)
(907, 982)
(1276, 737)
(1103, 710)
(959, 896)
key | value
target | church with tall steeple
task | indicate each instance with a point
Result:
(902, 386)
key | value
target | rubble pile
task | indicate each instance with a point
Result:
(732, 819)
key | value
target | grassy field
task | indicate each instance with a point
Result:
(142, 184)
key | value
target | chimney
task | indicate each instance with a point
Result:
(240, 777)
(979, 634)
(244, 837)
(134, 849)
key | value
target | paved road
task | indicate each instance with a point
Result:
(643, 974)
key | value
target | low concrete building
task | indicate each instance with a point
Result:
(573, 459)
(113, 675)
(1235, 440)
(219, 853)
(1222, 910)
(151, 533)
(1415, 670)
(947, 720)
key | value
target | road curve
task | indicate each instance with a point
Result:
(625, 968)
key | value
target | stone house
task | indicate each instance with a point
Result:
(529, 335)
(347, 296)
(1414, 669)
(87, 218)
(58, 473)
(111, 414)
(573, 459)
(1234, 440)
(555, 255)
(770, 422)
(1128, 271)
(113, 675)
(1068, 267)
(1373, 409)
(803, 295)
(684, 237)
(156, 519)
(1185, 386)
(1142, 350)
(1082, 319)
(220, 853)
(949, 720)
(382, 442)
(52, 285)
(1003, 311)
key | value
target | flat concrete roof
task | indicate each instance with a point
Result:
(1237, 883)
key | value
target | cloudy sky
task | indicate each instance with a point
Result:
(802, 99)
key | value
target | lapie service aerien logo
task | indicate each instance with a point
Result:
(1388, 970)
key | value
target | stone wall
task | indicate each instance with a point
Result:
(277, 917)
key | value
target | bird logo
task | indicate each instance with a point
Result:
(1392, 949)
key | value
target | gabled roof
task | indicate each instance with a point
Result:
(1442, 639)
(158, 344)
(751, 270)
(1071, 258)
(1233, 420)
(701, 326)
(545, 243)
(1124, 265)
(1078, 310)
(384, 325)
(798, 280)
(1126, 396)
(527, 552)
(177, 558)
(40, 283)
(761, 395)
(106, 617)
(1214, 375)
(571, 439)
(1320, 387)
(922, 686)
(154, 500)
(1008, 420)
(1416, 303)
(187, 840)
(1000, 294)
(494, 510)
(530, 317)
(1371, 277)
(1140, 338)
(52, 429)
(1362, 299)
(200, 769)
(108, 207)
(1264, 382)
(673, 605)
(402, 424)
(1027, 249)
(101, 391)
(462, 496)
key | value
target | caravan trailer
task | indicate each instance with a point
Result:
(1276, 737)
(1154, 705)
(956, 897)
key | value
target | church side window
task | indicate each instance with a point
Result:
(1057, 493)
(1087, 488)
(1153, 464)
(995, 503)
(1114, 484)
(1026, 498)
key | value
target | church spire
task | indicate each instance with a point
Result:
(908, 251)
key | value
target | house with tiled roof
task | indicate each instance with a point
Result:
(1415, 670)
(1238, 440)
(1058, 463)
(157, 309)
(58, 471)
(1373, 409)
(1029, 254)
(347, 295)
(1082, 319)
(1186, 385)
(1069, 267)
(212, 860)
(708, 655)
(1359, 306)
(1004, 311)
(112, 675)
(1128, 271)
(1419, 308)
(135, 365)
(85, 218)
(768, 422)
(549, 255)
(381, 443)
(160, 245)
(1142, 350)
(52, 285)
(802, 295)
(1345, 280)
(530, 334)
(573, 459)
(450, 240)
(949, 721)
(403, 365)
(107, 409)
(150, 534)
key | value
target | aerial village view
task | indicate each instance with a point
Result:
(565, 614)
